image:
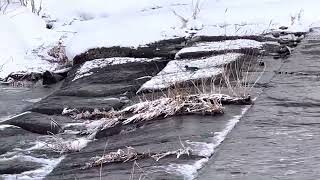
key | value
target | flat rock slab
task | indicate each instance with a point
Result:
(54, 105)
(220, 47)
(278, 138)
(155, 136)
(99, 90)
(163, 48)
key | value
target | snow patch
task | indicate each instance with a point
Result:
(175, 71)
(221, 45)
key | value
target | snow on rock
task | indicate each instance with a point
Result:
(135, 31)
(215, 18)
(221, 45)
(175, 71)
(100, 63)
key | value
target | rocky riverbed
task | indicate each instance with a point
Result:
(45, 141)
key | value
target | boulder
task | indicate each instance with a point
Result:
(49, 78)
(283, 27)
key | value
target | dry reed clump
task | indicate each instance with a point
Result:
(130, 154)
(159, 108)
(166, 106)
(178, 104)
(58, 52)
(35, 8)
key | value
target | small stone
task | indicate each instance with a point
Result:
(298, 34)
(189, 68)
(49, 26)
(276, 34)
(283, 27)
(276, 56)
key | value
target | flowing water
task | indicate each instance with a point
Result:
(279, 137)
(19, 149)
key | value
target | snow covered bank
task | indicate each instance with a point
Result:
(24, 37)
(215, 18)
(84, 24)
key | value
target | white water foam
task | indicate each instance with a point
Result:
(2, 119)
(48, 166)
(32, 100)
(2, 127)
(189, 171)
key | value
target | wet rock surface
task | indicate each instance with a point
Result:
(110, 87)
(11, 135)
(100, 91)
(17, 166)
(38, 123)
(278, 138)
(152, 137)
(49, 78)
